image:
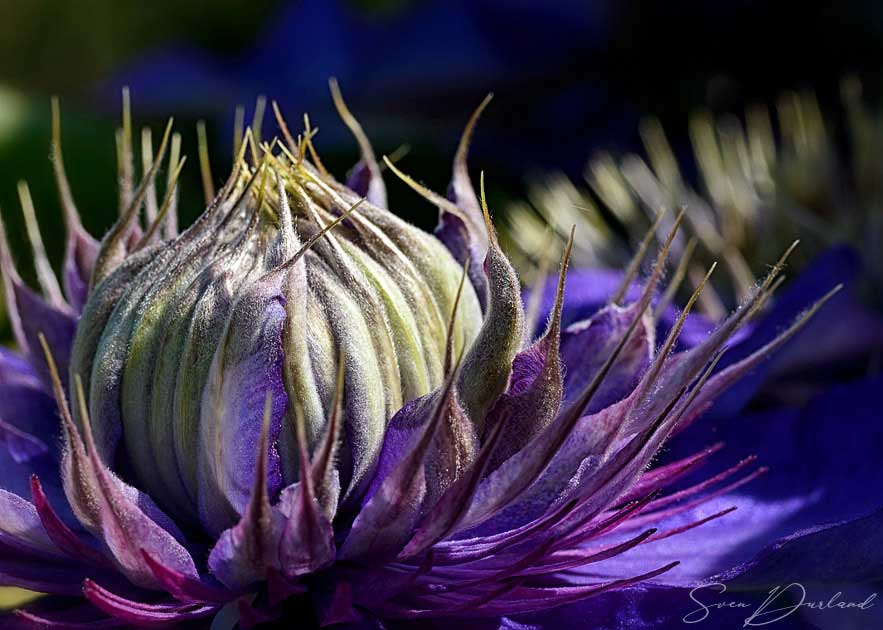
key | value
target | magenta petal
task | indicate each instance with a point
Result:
(65, 539)
(140, 614)
(186, 588)
(63, 620)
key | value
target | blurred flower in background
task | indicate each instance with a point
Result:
(755, 190)
(408, 66)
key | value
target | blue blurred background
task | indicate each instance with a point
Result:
(569, 77)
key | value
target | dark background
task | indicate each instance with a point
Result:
(570, 77)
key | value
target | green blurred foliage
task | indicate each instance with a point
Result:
(14, 597)
(68, 48)
(65, 47)
(90, 160)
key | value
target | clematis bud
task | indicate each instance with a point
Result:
(285, 274)
(303, 402)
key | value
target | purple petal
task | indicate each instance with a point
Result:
(844, 557)
(844, 330)
(307, 539)
(823, 560)
(246, 552)
(28, 421)
(15, 369)
(247, 365)
(22, 446)
(239, 559)
(535, 390)
(47, 614)
(809, 483)
(590, 437)
(79, 261)
(500, 489)
(401, 485)
(15, 477)
(586, 345)
(588, 291)
(21, 529)
(31, 315)
(367, 184)
(34, 316)
(126, 520)
(643, 606)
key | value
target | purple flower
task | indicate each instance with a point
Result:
(303, 407)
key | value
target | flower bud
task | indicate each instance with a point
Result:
(285, 274)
